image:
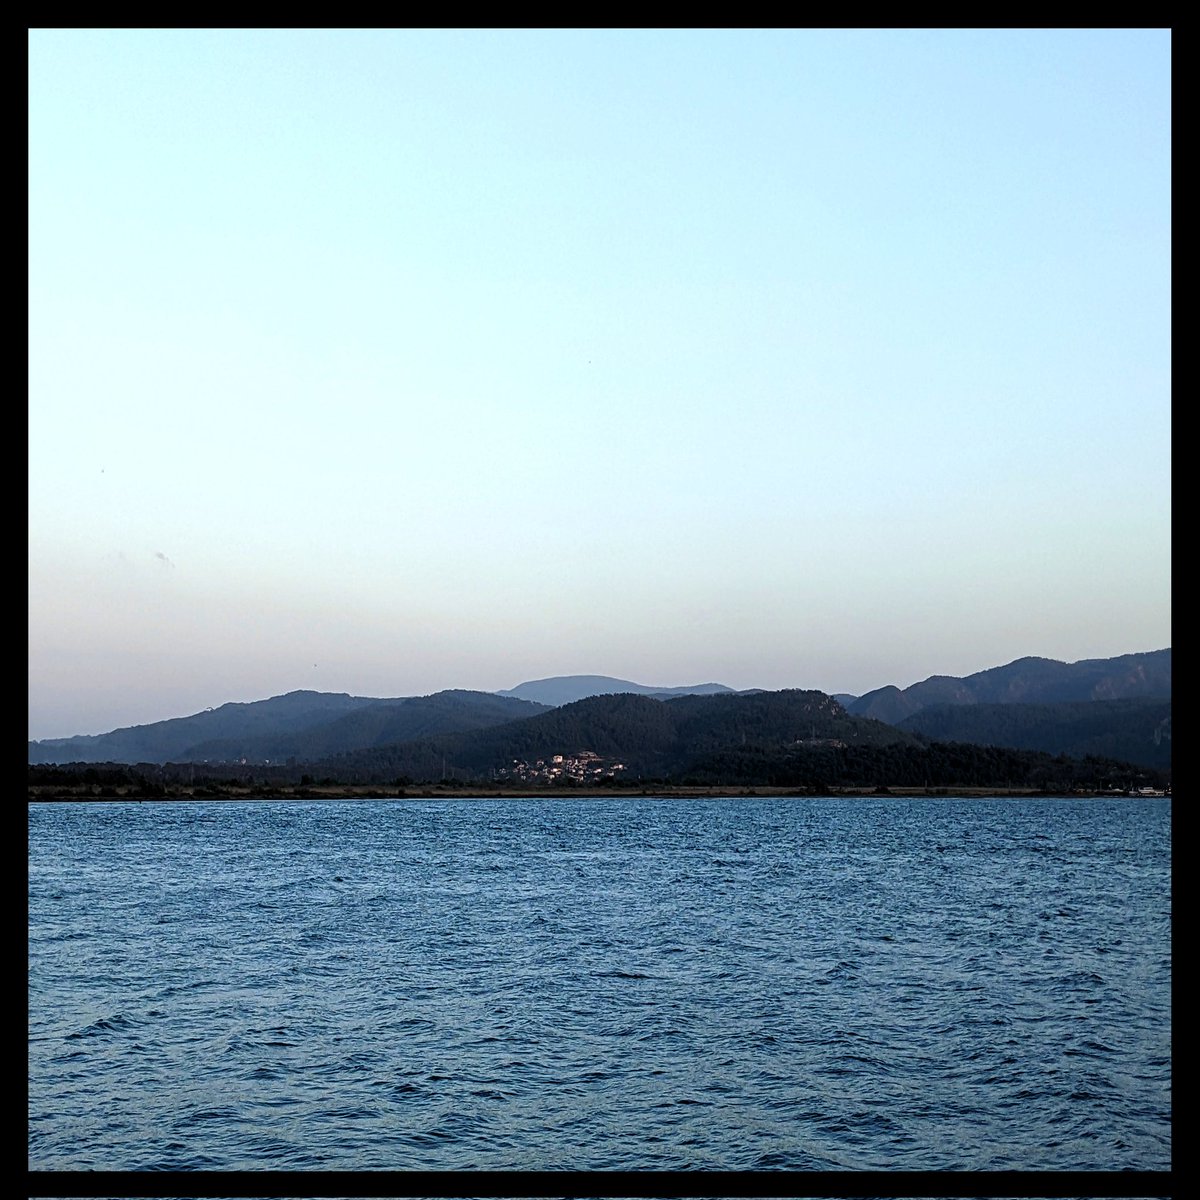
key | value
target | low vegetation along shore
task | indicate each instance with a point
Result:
(460, 792)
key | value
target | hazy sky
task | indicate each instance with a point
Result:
(390, 361)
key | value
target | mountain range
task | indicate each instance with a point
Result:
(1026, 681)
(1116, 708)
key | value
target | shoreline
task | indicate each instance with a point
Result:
(341, 792)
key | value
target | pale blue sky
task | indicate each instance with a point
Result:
(389, 361)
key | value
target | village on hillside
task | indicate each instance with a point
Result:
(582, 767)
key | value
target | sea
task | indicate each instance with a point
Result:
(629, 983)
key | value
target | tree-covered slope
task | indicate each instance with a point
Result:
(1133, 730)
(163, 741)
(650, 737)
(384, 723)
(301, 725)
(1027, 681)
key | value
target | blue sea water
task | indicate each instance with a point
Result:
(629, 983)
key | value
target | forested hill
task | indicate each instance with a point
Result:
(794, 739)
(302, 725)
(170, 740)
(452, 711)
(649, 737)
(1028, 681)
(1135, 730)
(804, 739)
(307, 725)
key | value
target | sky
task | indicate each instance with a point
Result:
(389, 361)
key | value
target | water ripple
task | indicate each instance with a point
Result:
(638, 984)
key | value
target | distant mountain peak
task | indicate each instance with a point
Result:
(566, 689)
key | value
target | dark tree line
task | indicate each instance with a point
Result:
(815, 768)
(933, 765)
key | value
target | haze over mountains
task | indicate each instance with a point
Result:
(1118, 707)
